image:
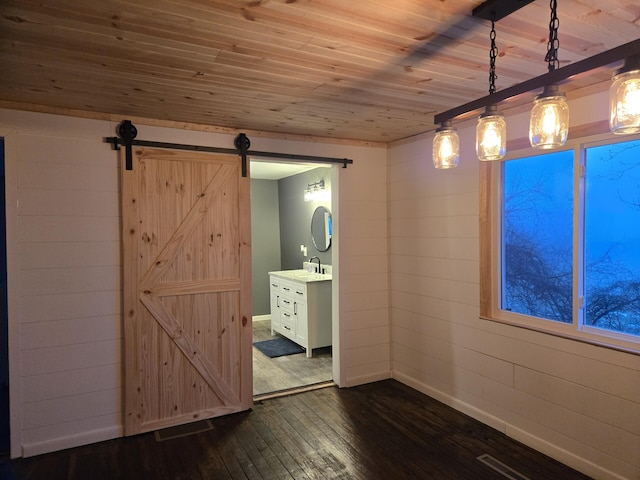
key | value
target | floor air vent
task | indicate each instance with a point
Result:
(500, 467)
(183, 430)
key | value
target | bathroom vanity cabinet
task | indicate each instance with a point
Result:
(301, 307)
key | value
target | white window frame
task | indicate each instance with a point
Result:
(491, 193)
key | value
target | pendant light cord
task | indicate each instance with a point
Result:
(493, 54)
(554, 43)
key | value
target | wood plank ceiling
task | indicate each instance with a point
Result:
(370, 70)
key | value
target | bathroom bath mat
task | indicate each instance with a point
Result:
(278, 347)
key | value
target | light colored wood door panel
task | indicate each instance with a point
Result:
(187, 290)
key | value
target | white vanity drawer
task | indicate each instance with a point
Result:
(297, 290)
(288, 324)
(286, 288)
(286, 302)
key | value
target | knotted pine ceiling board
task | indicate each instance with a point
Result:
(375, 70)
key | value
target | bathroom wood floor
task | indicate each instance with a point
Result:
(382, 430)
(289, 372)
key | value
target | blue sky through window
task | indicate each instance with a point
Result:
(537, 236)
(612, 237)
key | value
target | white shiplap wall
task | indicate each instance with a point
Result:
(364, 278)
(67, 283)
(577, 402)
(65, 271)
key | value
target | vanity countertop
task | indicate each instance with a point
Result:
(301, 275)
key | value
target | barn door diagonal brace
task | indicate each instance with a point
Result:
(127, 133)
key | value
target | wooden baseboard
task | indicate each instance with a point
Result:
(70, 441)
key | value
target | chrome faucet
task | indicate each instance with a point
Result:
(316, 258)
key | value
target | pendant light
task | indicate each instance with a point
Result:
(624, 98)
(549, 120)
(491, 130)
(446, 146)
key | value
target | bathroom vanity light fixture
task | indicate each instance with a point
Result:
(624, 98)
(491, 130)
(316, 192)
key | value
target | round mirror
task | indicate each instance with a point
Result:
(321, 229)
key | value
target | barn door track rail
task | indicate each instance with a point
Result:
(127, 133)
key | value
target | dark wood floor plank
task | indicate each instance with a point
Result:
(232, 449)
(195, 462)
(258, 450)
(298, 430)
(382, 439)
(460, 458)
(152, 453)
(465, 437)
(358, 420)
(343, 433)
(215, 443)
(382, 430)
(300, 452)
(173, 451)
(277, 446)
(54, 466)
(213, 464)
(336, 451)
(418, 434)
(95, 462)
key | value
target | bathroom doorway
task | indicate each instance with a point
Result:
(281, 241)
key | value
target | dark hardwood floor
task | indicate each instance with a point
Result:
(382, 430)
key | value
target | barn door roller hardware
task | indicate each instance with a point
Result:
(242, 144)
(127, 133)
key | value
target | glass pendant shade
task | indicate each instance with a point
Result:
(491, 135)
(624, 99)
(446, 147)
(549, 121)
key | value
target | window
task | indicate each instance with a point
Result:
(537, 236)
(612, 237)
(560, 242)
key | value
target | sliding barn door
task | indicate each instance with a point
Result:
(187, 288)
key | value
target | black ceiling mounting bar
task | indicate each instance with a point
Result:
(617, 54)
(498, 9)
(127, 133)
